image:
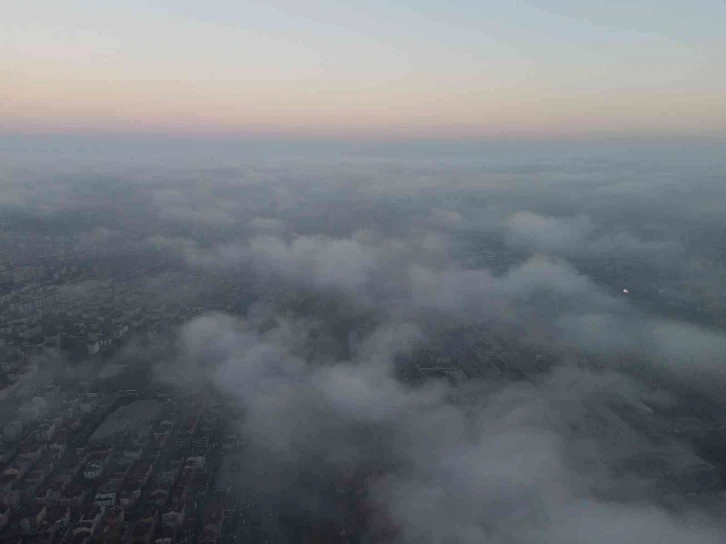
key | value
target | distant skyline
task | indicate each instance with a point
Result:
(462, 69)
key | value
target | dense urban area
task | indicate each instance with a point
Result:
(83, 458)
(104, 441)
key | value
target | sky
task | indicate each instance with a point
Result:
(377, 70)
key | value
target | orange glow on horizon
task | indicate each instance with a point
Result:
(38, 97)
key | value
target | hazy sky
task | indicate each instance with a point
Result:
(376, 69)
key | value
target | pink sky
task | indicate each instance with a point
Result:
(376, 73)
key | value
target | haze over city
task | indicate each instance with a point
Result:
(321, 272)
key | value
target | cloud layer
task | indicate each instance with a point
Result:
(356, 268)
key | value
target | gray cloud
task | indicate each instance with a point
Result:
(413, 278)
(267, 224)
(504, 466)
(579, 236)
(411, 249)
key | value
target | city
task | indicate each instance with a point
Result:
(105, 451)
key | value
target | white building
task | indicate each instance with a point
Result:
(44, 431)
(106, 496)
(93, 471)
(94, 347)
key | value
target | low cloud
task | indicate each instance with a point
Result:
(404, 256)
(578, 236)
(267, 225)
(506, 465)
(415, 279)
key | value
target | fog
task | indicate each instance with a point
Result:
(602, 277)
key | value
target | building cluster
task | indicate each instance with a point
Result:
(78, 466)
(55, 301)
(76, 477)
(61, 480)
